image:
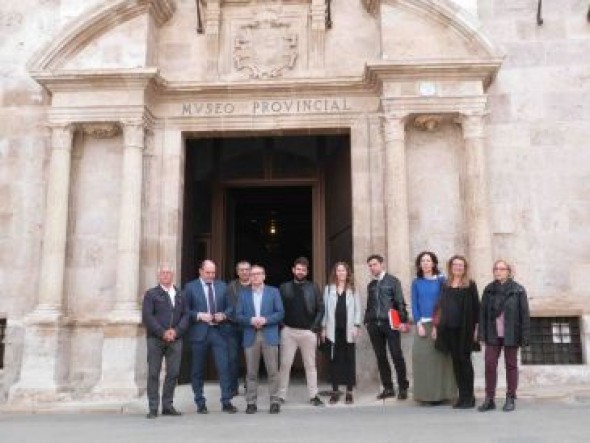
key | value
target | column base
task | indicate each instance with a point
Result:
(120, 357)
(42, 368)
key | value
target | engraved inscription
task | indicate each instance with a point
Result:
(268, 107)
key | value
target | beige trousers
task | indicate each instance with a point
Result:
(306, 341)
(271, 361)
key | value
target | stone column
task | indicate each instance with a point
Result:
(212, 30)
(476, 207)
(396, 199)
(121, 333)
(318, 34)
(39, 370)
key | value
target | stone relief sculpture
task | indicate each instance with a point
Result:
(265, 47)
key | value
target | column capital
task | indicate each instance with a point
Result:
(134, 132)
(62, 135)
(101, 129)
(394, 126)
(473, 125)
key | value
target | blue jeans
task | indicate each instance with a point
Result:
(216, 340)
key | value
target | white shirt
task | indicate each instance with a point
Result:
(380, 276)
(257, 299)
(171, 293)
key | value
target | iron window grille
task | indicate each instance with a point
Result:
(553, 341)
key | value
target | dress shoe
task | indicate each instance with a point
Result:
(403, 394)
(348, 399)
(229, 408)
(316, 401)
(251, 409)
(464, 403)
(202, 409)
(387, 393)
(509, 406)
(487, 405)
(152, 414)
(171, 411)
(333, 399)
(275, 408)
(282, 400)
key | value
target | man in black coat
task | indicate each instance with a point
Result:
(384, 292)
(166, 318)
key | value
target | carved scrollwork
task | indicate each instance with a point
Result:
(371, 5)
(428, 122)
(101, 130)
(266, 46)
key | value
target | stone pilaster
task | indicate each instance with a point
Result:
(212, 30)
(41, 352)
(120, 343)
(396, 199)
(476, 207)
(318, 34)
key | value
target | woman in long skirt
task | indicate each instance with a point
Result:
(432, 370)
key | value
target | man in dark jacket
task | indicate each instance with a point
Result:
(165, 316)
(385, 293)
(304, 310)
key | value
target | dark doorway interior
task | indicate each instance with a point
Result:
(266, 199)
(269, 226)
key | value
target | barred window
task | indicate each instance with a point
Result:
(2, 336)
(553, 341)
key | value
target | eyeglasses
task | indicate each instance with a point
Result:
(500, 269)
(256, 273)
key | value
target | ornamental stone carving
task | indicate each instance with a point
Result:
(266, 46)
(101, 130)
(428, 122)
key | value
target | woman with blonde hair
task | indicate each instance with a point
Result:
(456, 326)
(504, 324)
(340, 329)
(432, 370)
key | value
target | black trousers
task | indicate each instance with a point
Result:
(383, 337)
(462, 365)
(157, 350)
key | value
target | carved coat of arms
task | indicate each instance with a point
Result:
(265, 47)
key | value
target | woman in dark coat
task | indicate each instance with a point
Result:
(456, 320)
(504, 324)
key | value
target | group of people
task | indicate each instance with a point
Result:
(266, 322)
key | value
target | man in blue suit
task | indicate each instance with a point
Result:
(259, 311)
(209, 309)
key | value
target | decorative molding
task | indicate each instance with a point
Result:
(93, 23)
(62, 135)
(371, 5)
(265, 47)
(101, 130)
(428, 122)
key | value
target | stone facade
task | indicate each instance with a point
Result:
(468, 125)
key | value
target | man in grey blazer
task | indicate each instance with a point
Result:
(259, 311)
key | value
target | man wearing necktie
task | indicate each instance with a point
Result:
(209, 309)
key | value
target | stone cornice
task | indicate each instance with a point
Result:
(430, 70)
(93, 23)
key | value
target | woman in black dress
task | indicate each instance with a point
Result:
(340, 329)
(456, 320)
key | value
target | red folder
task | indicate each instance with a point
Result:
(394, 319)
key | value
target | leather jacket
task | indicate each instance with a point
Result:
(383, 295)
(314, 301)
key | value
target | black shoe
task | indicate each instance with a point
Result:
(202, 409)
(348, 399)
(333, 399)
(403, 394)
(171, 411)
(487, 405)
(251, 409)
(229, 408)
(282, 401)
(152, 414)
(509, 406)
(387, 393)
(275, 408)
(464, 403)
(316, 401)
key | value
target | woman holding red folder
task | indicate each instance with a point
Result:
(432, 370)
(456, 320)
